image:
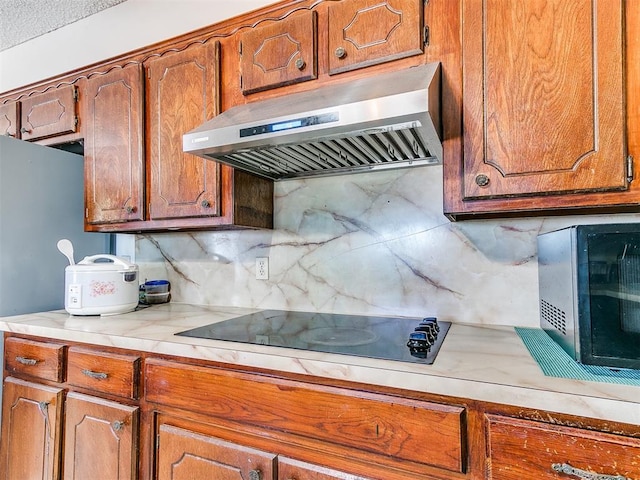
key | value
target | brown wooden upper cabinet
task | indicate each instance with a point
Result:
(279, 53)
(9, 119)
(182, 93)
(367, 32)
(113, 146)
(543, 97)
(49, 114)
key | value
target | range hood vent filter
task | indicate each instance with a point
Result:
(387, 121)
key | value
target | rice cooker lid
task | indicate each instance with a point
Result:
(103, 263)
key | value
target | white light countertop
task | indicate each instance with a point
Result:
(477, 362)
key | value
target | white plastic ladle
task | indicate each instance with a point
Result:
(66, 248)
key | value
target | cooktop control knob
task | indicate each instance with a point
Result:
(423, 337)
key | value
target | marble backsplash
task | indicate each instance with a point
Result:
(373, 243)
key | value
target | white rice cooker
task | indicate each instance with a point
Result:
(101, 285)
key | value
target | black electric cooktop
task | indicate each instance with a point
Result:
(413, 340)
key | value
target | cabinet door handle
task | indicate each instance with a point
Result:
(96, 375)
(300, 64)
(26, 361)
(117, 425)
(583, 474)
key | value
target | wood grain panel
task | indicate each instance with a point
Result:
(187, 455)
(543, 96)
(110, 373)
(291, 469)
(521, 449)
(279, 53)
(10, 119)
(378, 424)
(183, 94)
(113, 149)
(34, 359)
(49, 114)
(31, 431)
(100, 439)
(368, 32)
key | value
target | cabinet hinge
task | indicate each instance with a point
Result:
(425, 36)
(75, 94)
(630, 172)
(86, 213)
(157, 442)
(240, 48)
(240, 81)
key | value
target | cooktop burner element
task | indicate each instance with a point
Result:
(413, 340)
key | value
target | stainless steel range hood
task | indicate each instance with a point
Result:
(386, 121)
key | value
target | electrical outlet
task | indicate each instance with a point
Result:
(262, 268)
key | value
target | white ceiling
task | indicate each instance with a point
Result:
(22, 20)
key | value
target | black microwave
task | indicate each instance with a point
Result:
(589, 282)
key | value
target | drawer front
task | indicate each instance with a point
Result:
(391, 428)
(520, 449)
(110, 373)
(34, 359)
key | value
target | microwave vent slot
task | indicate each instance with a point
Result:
(554, 316)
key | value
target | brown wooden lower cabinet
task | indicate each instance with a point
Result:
(101, 439)
(31, 431)
(180, 419)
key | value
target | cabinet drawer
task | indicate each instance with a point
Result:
(34, 359)
(392, 429)
(520, 449)
(110, 373)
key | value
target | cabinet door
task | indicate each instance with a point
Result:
(49, 114)
(9, 118)
(280, 53)
(113, 151)
(368, 32)
(543, 97)
(186, 455)
(31, 431)
(289, 469)
(183, 94)
(519, 449)
(101, 439)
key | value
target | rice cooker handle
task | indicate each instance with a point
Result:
(102, 256)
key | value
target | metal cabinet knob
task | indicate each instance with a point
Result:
(255, 475)
(130, 209)
(117, 425)
(300, 64)
(24, 130)
(340, 52)
(482, 180)
(206, 204)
